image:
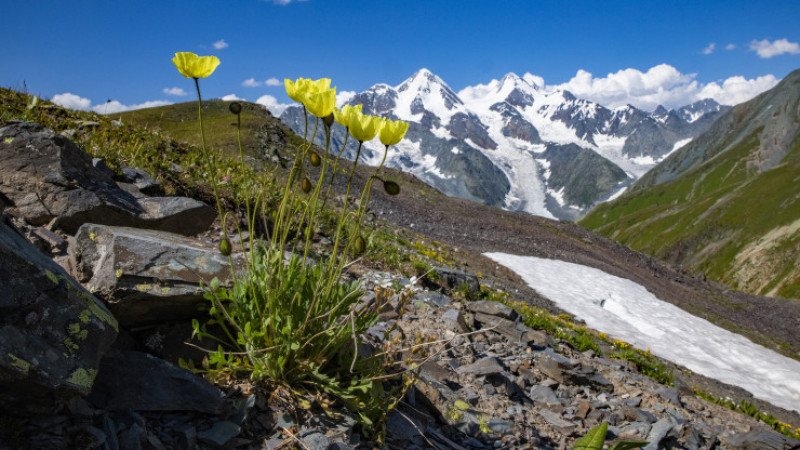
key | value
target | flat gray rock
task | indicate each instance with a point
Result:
(148, 276)
(482, 367)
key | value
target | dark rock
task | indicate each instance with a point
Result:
(141, 382)
(491, 308)
(53, 332)
(555, 419)
(141, 179)
(670, 394)
(316, 439)
(761, 440)
(638, 415)
(514, 331)
(482, 367)
(433, 298)
(657, 433)
(454, 321)
(433, 371)
(543, 394)
(100, 164)
(133, 438)
(48, 177)
(148, 276)
(220, 433)
(457, 280)
(55, 243)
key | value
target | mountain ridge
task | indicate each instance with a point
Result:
(726, 204)
(495, 142)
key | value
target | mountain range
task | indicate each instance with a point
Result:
(728, 203)
(513, 144)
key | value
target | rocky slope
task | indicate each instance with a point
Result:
(509, 142)
(489, 381)
(725, 205)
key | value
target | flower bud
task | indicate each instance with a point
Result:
(359, 245)
(328, 120)
(314, 158)
(235, 107)
(306, 185)
(225, 247)
(391, 187)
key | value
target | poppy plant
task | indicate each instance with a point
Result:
(192, 66)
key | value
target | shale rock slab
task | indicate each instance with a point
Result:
(53, 332)
(48, 177)
(148, 276)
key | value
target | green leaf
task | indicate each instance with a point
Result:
(593, 440)
(625, 445)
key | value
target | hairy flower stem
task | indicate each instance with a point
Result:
(312, 215)
(336, 167)
(293, 212)
(344, 209)
(362, 206)
(209, 159)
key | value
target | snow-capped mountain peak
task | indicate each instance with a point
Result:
(513, 144)
(426, 92)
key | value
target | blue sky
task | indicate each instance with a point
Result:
(646, 52)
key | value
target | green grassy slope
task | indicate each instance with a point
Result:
(179, 122)
(726, 205)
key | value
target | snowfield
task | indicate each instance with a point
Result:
(629, 312)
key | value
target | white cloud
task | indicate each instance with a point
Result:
(710, 49)
(115, 106)
(271, 103)
(72, 101)
(343, 97)
(730, 47)
(660, 85)
(284, 2)
(251, 82)
(737, 89)
(220, 44)
(231, 98)
(174, 91)
(273, 82)
(767, 49)
(534, 80)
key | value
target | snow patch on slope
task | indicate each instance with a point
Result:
(629, 312)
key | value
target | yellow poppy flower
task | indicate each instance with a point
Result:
(297, 89)
(320, 104)
(193, 66)
(363, 127)
(342, 116)
(392, 131)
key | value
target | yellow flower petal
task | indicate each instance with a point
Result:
(363, 127)
(342, 116)
(192, 66)
(321, 85)
(393, 131)
(320, 104)
(296, 89)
